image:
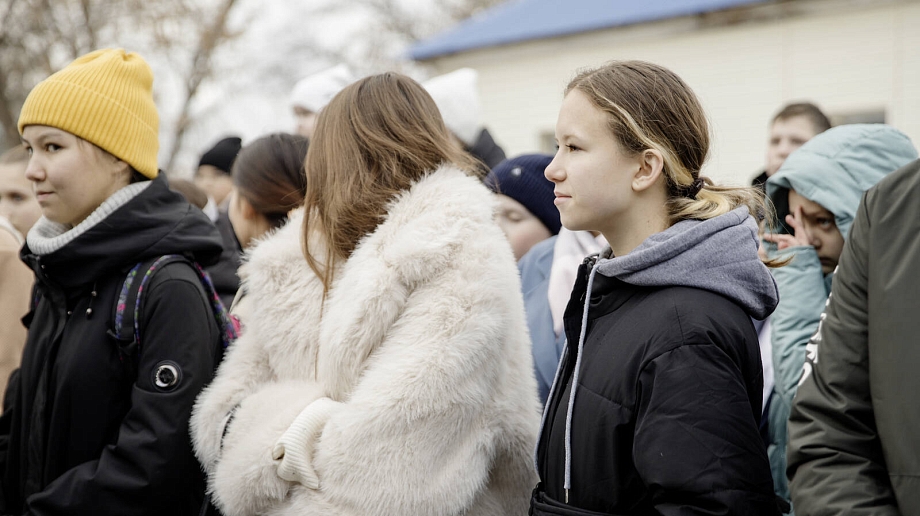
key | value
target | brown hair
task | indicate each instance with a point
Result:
(818, 119)
(373, 141)
(269, 174)
(650, 107)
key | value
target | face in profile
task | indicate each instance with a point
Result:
(248, 224)
(17, 201)
(786, 135)
(70, 177)
(592, 175)
(522, 228)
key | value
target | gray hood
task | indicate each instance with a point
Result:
(719, 255)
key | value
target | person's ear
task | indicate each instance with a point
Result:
(246, 209)
(120, 170)
(650, 170)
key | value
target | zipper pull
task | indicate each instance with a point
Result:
(566, 496)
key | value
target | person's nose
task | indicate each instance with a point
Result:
(34, 170)
(785, 149)
(554, 171)
(815, 239)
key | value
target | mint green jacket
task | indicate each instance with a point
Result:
(833, 169)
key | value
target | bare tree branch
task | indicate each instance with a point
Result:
(201, 70)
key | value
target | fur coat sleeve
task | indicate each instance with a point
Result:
(412, 391)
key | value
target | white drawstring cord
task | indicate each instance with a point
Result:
(568, 418)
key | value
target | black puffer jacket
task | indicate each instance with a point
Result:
(669, 381)
(85, 433)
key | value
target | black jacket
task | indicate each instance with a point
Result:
(666, 415)
(86, 434)
(224, 272)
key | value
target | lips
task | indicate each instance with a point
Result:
(560, 198)
(39, 196)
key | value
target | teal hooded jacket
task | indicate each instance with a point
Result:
(832, 169)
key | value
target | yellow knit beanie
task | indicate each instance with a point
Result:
(106, 98)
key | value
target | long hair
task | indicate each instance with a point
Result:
(650, 107)
(374, 140)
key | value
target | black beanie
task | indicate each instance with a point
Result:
(522, 179)
(222, 154)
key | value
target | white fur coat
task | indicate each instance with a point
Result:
(412, 389)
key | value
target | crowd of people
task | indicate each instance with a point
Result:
(382, 314)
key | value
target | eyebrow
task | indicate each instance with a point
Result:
(818, 213)
(568, 135)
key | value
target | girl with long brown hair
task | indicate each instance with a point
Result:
(385, 367)
(656, 402)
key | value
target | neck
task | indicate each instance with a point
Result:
(632, 229)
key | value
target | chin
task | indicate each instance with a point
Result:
(572, 225)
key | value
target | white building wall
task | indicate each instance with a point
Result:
(846, 56)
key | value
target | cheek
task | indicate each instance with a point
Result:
(525, 234)
(838, 244)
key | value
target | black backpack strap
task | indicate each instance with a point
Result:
(128, 307)
(126, 312)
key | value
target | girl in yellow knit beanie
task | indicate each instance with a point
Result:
(97, 422)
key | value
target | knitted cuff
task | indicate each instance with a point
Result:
(295, 448)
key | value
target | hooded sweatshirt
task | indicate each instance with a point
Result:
(667, 366)
(832, 169)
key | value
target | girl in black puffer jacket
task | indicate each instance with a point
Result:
(656, 402)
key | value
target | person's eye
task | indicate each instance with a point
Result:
(28, 149)
(512, 216)
(17, 198)
(52, 147)
(572, 148)
(825, 222)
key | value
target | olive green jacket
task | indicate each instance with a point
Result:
(854, 430)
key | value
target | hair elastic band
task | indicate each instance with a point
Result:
(694, 188)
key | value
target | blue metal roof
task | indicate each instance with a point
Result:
(522, 20)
